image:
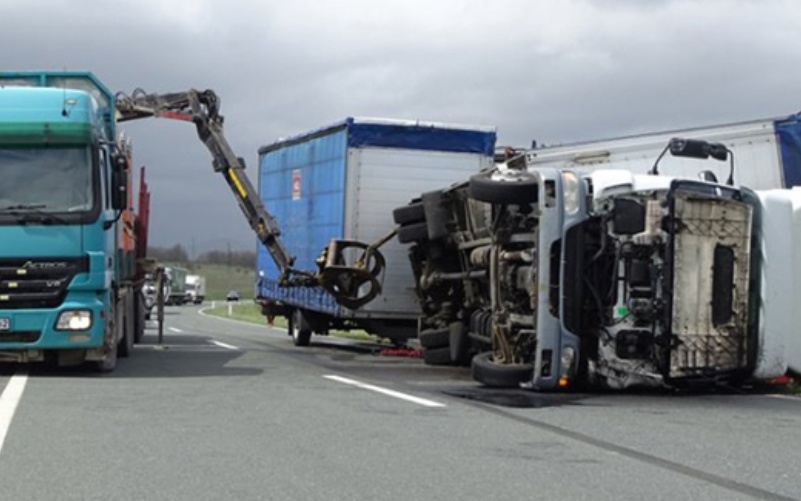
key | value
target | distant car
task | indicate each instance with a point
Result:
(232, 296)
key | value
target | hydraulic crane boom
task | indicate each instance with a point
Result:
(349, 270)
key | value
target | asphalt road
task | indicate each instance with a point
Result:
(234, 411)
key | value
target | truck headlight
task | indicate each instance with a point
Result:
(74, 320)
(570, 191)
(566, 362)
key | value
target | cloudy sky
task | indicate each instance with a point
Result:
(554, 71)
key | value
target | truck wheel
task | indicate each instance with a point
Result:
(414, 232)
(434, 338)
(459, 343)
(488, 373)
(520, 190)
(301, 333)
(109, 363)
(124, 324)
(126, 344)
(139, 318)
(437, 356)
(411, 213)
(437, 214)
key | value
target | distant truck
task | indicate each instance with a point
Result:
(70, 274)
(342, 181)
(195, 288)
(176, 293)
(562, 276)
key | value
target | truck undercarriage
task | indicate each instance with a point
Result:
(553, 280)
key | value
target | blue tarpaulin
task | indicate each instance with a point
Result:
(788, 132)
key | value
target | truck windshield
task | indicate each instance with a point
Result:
(56, 179)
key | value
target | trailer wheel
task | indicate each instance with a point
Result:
(414, 232)
(411, 213)
(518, 189)
(301, 332)
(488, 373)
(434, 338)
(437, 356)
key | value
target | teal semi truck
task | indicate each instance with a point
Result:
(70, 286)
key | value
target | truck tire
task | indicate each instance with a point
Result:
(109, 363)
(139, 318)
(519, 190)
(411, 213)
(434, 338)
(459, 343)
(299, 329)
(437, 214)
(125, 325)
(414, 232)
(488, 373)
(437, 356)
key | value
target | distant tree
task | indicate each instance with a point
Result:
(244, 259)
(178, 254)
(174, 254)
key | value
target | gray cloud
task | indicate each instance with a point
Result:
(557, 71)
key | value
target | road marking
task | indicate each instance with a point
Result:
(179, 331)
(224, 345)
(783, 397)
(8, 403)
(392, 393)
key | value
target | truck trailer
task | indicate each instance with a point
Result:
(563, 276)
(70, 287)
(342, 182)
(767, 153)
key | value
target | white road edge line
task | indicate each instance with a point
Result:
(179, 331)
(392, 393)
(224, 345)
(784, 397)
(9, 401)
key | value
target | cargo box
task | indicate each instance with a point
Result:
(343, 181)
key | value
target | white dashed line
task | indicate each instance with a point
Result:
(224, 345)
(179, 331)
(8, 403)
(392, 393)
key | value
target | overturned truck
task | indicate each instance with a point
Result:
(552, 278)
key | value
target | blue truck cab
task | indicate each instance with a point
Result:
(66, 288)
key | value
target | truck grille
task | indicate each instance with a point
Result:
(20, 337)
(37, 283)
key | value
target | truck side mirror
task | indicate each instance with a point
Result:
(691, 148)
(694, 148)
(119, 163)
(119, 183)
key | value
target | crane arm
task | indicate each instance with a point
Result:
(353, 281)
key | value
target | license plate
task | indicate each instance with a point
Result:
(5, 323)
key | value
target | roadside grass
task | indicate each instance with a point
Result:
(250, 312)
